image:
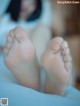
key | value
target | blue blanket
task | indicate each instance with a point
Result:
(23, 96)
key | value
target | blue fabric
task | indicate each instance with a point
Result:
(3, 6)
(23, 96)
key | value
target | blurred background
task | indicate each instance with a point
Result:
(71, 23)
(64, 21)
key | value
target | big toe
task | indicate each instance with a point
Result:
(55, 44)
(20, 33)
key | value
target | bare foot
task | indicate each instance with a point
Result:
(20, 58)
(56, 62)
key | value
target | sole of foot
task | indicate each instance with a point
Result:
(20, 58)
(56, 61)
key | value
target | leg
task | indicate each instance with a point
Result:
(56, 62)
(20, 58)
(40, 39)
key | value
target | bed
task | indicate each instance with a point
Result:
(19, 95)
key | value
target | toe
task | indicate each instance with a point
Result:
(58, 40)
(67, 63)
(55, 44)
(65, 44)
(20, 33)
(66, 55)
(64, 52)
(65, 58)
(10, 35)
(6, 48)
(8, 42)
(68, 67)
